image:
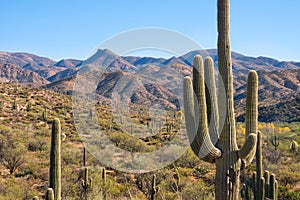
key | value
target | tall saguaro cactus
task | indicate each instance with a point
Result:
(55, 159)
(215, 142)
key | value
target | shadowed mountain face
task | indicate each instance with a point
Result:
(278, 80)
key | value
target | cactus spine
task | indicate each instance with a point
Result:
(55, 159)
(50, 194)
(218, 144)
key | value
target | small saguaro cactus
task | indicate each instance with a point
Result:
(84, 157)
(294, 146)
(44, 115)
(245, 191)
(1, 105)
(263, 185)
(86, 182)
(275, 141)
(28, 106)
(50, 194)
(154, 189)
(103, 176)
(15, 105)
(55, 159)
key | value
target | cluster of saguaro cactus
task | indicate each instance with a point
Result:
(55, 160)
(210, 142)
(275, 141)
(263, 185)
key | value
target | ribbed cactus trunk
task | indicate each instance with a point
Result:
(228, 166)
(55, 159)
(153, 188)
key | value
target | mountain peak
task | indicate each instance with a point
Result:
(173, 60)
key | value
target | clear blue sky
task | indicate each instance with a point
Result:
(72, 29)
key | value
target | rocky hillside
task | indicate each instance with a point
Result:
(279, 80)
(15, 74)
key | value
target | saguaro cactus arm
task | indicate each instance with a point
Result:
(251, 111)
(248, 147)
(211, 100)
(50, 194)
(197, 125)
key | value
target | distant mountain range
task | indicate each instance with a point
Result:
(279, 81)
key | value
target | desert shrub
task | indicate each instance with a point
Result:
(12, 154)
(37, 145)
(197, 190)
(188, 159)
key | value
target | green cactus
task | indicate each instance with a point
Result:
(103, 174)
(275, 141)
(243, 192)
(259, 167)
(55, 159)
(245, 195)
(263, 185)
(273, 191)
(84, 157)
(15, 105)
(28, 106)
(154, 189)
(218, 144)
(44, 115)
(267, 182)
(86, 182)
(229, 161)
(49, 194)
(1, 105)
(294, 146)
